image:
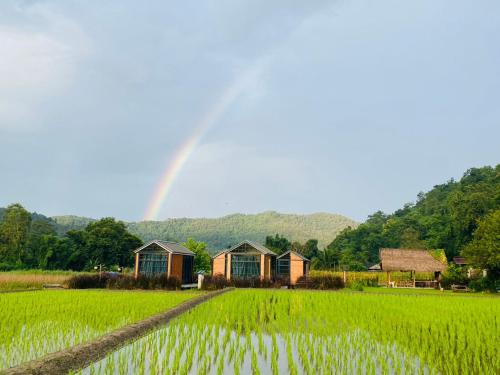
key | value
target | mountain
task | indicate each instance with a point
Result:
(70, 222)
(219, 233)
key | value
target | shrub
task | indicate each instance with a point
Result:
(88, 281)
(321, 282)
(220, 282)
(215, 282)
(483, 284)
(113, 281)
(257, 282)
(454, 275)
(356, 285)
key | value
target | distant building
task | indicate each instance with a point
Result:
(413, 261)
(292, 265)
(471, 271)
(375, 268)
(165, 258)
(460, 261)
(245, 260)
(250, 260)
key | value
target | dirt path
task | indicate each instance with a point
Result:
(83, 355)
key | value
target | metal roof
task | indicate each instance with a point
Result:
(296, 254)
(262, 249)
(169, 246)
(460, 261)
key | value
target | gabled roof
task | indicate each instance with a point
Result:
(375, 267)
(169, 246)
(294, 253)
(219, 253)
(417, 260)
(460, 261)
(262, 249)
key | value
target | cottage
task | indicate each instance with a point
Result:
(375, 268)
(165, 258)
(471, 271)
(245, 260)
(293, 266)
(460, 261)
(413, 261)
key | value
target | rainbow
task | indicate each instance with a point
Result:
(182, 154)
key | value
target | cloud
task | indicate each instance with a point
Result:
(223, 177)
(37, 60)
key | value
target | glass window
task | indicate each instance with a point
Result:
(284, 267)
(245, 266)
(153, 264)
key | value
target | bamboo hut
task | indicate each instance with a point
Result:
(413, 261)
(158, 258)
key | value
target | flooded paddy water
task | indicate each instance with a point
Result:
(304, 332)
(185, 349)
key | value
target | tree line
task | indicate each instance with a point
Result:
(31, 241)
(462, 217)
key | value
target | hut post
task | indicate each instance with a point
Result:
(262, 266)
(414, 273)
(228, 270)
(169, 265)
(136, 271)
(388, 278)
(345, 277)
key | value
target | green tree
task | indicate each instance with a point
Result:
(202, 261)
(410, 239)
(35, 251)
(108, 242)
(14, 230)
(278, 244)
(310, 250)
(484, 249)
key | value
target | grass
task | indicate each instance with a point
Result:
(32, 279)
(264, 331)
(37, 323)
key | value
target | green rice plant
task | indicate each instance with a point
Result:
(327, 333)
(37, 323)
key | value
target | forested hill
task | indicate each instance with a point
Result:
(220, 233)
(446, 217)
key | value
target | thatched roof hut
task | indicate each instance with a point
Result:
(415, 260)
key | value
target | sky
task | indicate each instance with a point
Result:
(346, 107)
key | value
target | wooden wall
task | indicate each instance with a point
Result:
(267, 267)
(176, 267)
(136, 270)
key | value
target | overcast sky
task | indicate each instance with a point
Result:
(357, 105)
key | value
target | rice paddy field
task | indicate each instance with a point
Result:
(36, 323)
(309, 332)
